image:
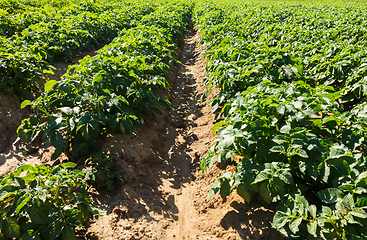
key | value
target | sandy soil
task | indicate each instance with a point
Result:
(12, 152)
(164, 195)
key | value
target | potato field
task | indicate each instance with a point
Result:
(174, 119)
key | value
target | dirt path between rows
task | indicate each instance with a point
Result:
(164, 195)
(184, 155)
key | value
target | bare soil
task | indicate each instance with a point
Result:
(164, 195)
(14, 153)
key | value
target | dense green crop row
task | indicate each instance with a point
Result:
(40, 202)
(319, 44)
(24, 57)
(20, 6)
(111, 91)
(11, 24)
(292, 82)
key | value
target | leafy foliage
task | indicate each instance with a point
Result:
(41, 202)
(25, 57)
(291, 105)
(111, 91)
(103, 174)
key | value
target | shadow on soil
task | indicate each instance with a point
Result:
(251, 220)
(162, 156)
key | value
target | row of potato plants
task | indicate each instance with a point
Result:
(112, 91)
(29, 55)
(291, 103)
(44, 202)
(11, 24)
(19, 6)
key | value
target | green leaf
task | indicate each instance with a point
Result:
(286, 177)
(45, 232)
(96, 211)
(10, 228)
(25, 103)
(302, 153)
(68, 165)
(66, 110)
(278, 186)
(156, 110)
(57, 141)
(361, 202)
(128, 125)
(206, 162)
(312, 209)
(348, 201)
(97, 78)
(226, 175)
(7, 190)
(262, 151)
(324, 171)
(23, 168)
(225, 188)
(164, 102)
(360, 190)
(68, 233)
(38, 215)
(110, 187)
(361, 176)
(330, 195)
(49, 85)
(277, 148)
(80, 148)
(311, 168)
(358, 212)
(215, 105)
(312, 228)
(341, 165)
(30, 176)
(216, 126)
(215, 187)
(227, 141)
(265, 192)
(280, 139)
(57, 229)
(241, 190)
(294, 224)
(280, 219)
(56, 154)
(285, 129)
(21, 202)
(263, 175)
(337, 151)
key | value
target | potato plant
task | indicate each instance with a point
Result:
(40, 202)
(30, 54)
(103, 174)
(112, 91)
(291, 104)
